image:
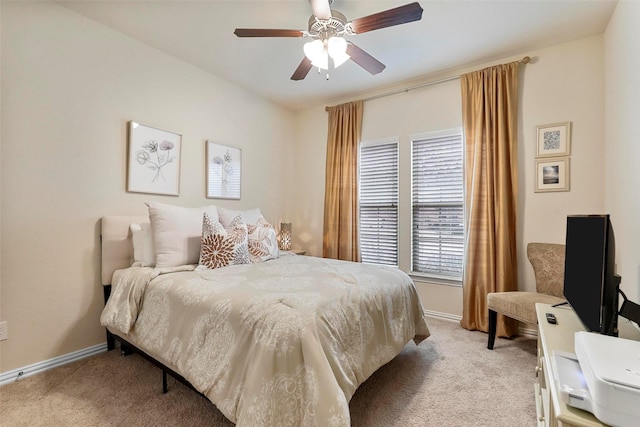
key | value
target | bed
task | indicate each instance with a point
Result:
(283, 341)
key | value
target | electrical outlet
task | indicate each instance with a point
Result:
(4, 330)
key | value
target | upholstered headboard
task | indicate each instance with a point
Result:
(117, 246)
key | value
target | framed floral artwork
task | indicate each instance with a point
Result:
(553, 140)
(224, 171)
(154, 160)
(552, 174)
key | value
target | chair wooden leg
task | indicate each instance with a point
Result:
(493, 321)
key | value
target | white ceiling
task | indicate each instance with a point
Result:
(451, 34)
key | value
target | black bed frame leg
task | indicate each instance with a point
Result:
(111, 341)
(165, 388)
(125, 350)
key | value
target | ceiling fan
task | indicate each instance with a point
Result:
(327, 28)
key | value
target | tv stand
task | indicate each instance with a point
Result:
(629, 310)
(551, 410)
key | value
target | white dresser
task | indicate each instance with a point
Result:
(551, 411)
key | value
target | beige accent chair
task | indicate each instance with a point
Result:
(547, 260)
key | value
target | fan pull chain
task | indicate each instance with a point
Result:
(320, 71)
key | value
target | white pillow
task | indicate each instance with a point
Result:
(250, 216)
(144, 254)
(177, 232)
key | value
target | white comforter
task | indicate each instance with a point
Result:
(285, 342)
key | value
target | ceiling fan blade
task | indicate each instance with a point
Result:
(363, 59)
(266, 32)
(321, 9)
(302, 70)
(388, 18)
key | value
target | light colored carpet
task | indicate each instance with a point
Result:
(451, 379)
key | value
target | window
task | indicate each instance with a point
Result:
(379, 202)
(435, 211)
(438, 205)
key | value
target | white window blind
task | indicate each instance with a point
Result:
(438, 205)
(379, 202)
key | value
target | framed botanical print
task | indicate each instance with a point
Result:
(154, 160)
(224, 171)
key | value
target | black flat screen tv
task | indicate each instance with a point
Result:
(590, 283)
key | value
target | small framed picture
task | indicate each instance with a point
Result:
(154, 160)
(224, 171)
(553, 140)
(552, 174)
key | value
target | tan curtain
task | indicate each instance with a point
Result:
(489, 105)
(340, 239)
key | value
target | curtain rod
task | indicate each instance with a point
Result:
(524, 60)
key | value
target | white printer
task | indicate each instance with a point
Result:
(603, 377)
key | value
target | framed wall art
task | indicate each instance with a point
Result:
(154, 160)
(552, 174)
(553, 140)
(224, 171)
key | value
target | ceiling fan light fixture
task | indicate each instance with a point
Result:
(340, 59)
(321, 61)
(337, 48)
(317, 53)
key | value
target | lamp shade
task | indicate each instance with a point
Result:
(286, 235)
(321, 61)
(336, 46)
(317, 54)
(338, 60)
(337, 49)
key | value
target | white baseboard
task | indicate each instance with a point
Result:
(528, 332)
(443, 316)
(36, 368)
(522, 331)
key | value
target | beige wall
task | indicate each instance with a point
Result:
(69, 86)
(563, 83)
(622, 154)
